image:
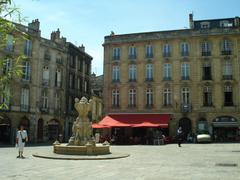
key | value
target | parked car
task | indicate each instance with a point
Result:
(204, 138)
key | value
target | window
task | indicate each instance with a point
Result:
(207, 96)
(205, 25)
(149, 97)
(115, 98)
(167, 97)
(28, 48)
(71, 81)
(72, 61)
(26, 71)
(44, 101)
(227, 70)
(185, 96)
(25, 99)
(85, 86)
(185, 71)
(225, 23)
(149, 72)
(132, 52)
(226, 47)
(166, 50)
(9, 43)
(228, 96)
(115, 73)
(132, 73)
(58, 78)
(132, 98)
(167, 70)
(184, 49)
(47, 55)
(207, 72)
(206, 51)
(78, 83)
(45, 75)
(70, 104)
(116, 53)
(57, 101)
(5, 98)
(7, 66)
(149, 51)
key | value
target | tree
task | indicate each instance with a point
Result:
(10, 63)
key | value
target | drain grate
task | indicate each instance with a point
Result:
(227, 164)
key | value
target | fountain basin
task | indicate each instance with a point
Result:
(98, 149)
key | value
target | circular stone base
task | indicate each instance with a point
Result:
(98, 149)
(52, 155)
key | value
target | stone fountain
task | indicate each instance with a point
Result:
(82, 142)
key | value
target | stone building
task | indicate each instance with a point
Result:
(40, 99)
(78, 78)
(191, 74)
(97, 91)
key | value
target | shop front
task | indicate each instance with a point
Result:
(5, 130)
(135, 128)
(225, 129)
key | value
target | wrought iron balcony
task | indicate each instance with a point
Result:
(185, 78)
(185, 53)
(186, 108)
(206, 53)
(166, 54)
(227, 77)
(148, 79)
(44, 109)
(24, 108)
(149, 55)
(207, 77)
(228, 103)
(115, 80)
(116, 57)
(167, 78)
(59, 61)
(132, 80)
(132, 56)
(45, 82)
(226, 52)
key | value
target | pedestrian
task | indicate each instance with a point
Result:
(21, 139)
(179, 136)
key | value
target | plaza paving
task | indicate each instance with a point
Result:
(192, 161)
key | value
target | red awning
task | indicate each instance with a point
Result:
(99, 126)
(136, 120)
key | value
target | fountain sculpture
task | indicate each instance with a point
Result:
(82, 141)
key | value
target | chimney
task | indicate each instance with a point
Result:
(58, 34)
(191, 22)
(82, 48)
(35, 25)
(53, 36)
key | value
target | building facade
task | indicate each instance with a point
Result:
(191, 74)
(39, 100)
(78, 78)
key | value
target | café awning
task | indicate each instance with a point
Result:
(99, 126)
(136, 120)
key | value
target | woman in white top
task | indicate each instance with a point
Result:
(20, 140)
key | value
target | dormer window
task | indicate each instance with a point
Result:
(205, 25)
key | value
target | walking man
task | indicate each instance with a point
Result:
(20, 141)
(179, 136)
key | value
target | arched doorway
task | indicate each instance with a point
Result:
(40, 130)
(186, 125)
(53, 129)
(5, 130)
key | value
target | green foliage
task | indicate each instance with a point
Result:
(10, 63)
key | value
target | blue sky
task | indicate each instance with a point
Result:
(88, 21)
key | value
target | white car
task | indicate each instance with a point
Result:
(203, 138)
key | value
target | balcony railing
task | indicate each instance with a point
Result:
(185, 53)
(24, 108)
(227, 77)
(186, 107)
(185, 78)
(115, 80)
(167, 78)
(44, 110)
(45, 82)
(206, 53)
(59, 61)
(149, 79)
(132, 56)
(116, 57)
(149, 106)
(150, 55)
(207, 78)
(228, 103)
(115, 105)
(131, 105)
(207, 104)
(226, 52)
(132, 80)
(166, 54)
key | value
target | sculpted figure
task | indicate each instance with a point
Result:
(81, 129)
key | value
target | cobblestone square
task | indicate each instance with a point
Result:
(191, 161)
